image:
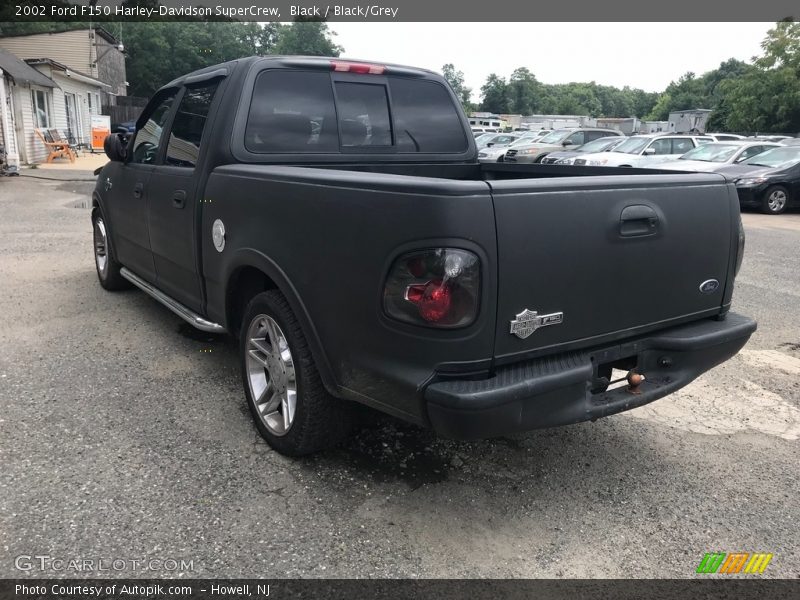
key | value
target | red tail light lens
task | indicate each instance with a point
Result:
(439, 287)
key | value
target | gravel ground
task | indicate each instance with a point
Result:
(124, 435)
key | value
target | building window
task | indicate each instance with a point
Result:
(41, 108)
(94, 103)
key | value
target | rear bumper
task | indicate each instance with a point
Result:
(557, 390)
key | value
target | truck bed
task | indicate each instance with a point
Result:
(554, 245)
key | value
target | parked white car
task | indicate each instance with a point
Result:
(644, 151)
(710, 157)
(726, 137)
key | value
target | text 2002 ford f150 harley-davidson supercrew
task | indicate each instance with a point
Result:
(333, 216)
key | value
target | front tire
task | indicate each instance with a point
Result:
(775, 200)
(290, 406)
(108, 269)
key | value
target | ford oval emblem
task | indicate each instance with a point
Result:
(709, 286)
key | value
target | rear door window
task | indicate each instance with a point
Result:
(681, 145)
(595, 135)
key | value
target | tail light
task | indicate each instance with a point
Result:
(740, 249)
(439, 287)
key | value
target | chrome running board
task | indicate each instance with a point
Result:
(179, 309)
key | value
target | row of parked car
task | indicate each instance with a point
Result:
(766, 170)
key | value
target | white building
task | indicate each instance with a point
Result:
(689, 121)
(44, 94)
(654, 126)
(536, 122)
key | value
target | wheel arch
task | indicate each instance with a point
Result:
(249, 273)
(97, 207)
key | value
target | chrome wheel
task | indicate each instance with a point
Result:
(100, 246)
(776, 201)
(271, 375)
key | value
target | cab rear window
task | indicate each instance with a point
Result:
(292, 111)
(308, 112)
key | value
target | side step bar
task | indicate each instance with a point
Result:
(179, 309)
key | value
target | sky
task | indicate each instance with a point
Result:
(641, 55)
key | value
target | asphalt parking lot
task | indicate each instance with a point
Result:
(124, 435)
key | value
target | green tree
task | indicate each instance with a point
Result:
(686, 93)
(766, 98)
(781, 47)
(456, 80)
(159, 51)
(522, 91)
(307, 38)
(495, 95)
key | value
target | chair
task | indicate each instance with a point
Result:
(68, 139)
(56, 147)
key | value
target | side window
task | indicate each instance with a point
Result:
(662, 146)
(752, 151)
(41, 108)
(188, 125)
(576, 138)
(145, 144)
(681, 145)
(291, 111)
(590, 136)
(363, 114)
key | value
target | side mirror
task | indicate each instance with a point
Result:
(490, 144)
(649, 152)
(115, 147)
(566, 143)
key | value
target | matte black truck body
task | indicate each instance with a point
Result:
(624, 259)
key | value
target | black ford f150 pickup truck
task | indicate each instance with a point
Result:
(333, 216)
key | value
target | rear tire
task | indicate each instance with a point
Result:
(290, 406)
(108, 269)
(775, 200)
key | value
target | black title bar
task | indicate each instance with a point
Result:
(341, 589)
(403, 10)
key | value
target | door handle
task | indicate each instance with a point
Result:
(138, 189)
(638, 220)
(179, 199)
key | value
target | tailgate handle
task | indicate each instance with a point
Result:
(637, 220)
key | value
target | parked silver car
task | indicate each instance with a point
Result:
(497, 139)
(645, 150)
(710, 157)
(560, 139)
(496, 150)
(567, 157)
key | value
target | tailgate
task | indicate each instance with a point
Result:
(600, 258)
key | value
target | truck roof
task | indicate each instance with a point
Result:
(330, 63)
